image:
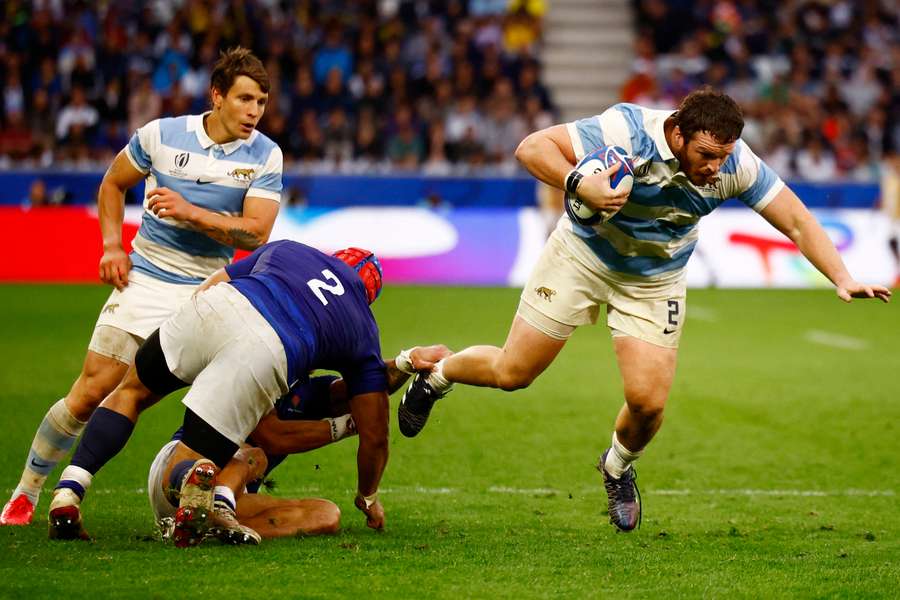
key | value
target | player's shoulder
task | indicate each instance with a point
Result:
(260, 148)
(742, 161)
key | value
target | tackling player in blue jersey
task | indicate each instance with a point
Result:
(257, 327)
(212, 184)
(313, 414)
(631, 266)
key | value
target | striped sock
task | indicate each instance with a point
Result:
(223, 497)
(52, 442)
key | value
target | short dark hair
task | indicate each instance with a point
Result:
(234, 62)
(711, 111)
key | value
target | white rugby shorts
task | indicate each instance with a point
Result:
(231, 356)
(129, 316)
(563, 293)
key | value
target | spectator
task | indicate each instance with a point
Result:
(144, 105)
(332, 55)
(16, 139)
(405, 148)
(815, 162)
(76, 119)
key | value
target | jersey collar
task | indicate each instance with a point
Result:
(195, 124)
(658, 133)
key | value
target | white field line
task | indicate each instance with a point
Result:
(410, 490)
(835, 340)
(701, 313)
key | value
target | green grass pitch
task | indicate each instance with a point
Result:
(776, 473)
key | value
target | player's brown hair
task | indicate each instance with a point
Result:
(711, 111)
(234, 62)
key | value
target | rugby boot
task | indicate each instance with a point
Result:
(195, 503)
(416, 405)
(228, 530)
(64, 521)
(623, 496)
(18, 511)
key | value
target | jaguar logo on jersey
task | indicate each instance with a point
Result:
(545, 293)
(243, 175)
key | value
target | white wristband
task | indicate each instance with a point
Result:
(341, 427)
(403, 362)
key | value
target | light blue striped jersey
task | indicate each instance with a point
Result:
(653, 235)
(178, 154)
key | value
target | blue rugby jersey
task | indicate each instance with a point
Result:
(178, 154)
(654, 234)
(318, 307)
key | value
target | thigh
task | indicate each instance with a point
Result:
(114, 343)
(278, 517)
(528, 350)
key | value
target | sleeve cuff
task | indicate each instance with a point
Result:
(261, 193)
(770, 195)
(134, 162)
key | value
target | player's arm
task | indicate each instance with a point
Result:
(370, 412)
(248, 231)
(789, 216)
(276, 437)
(549, 155)
(121, 175)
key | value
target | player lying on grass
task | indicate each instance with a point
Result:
(260, 325)
(316, 412)
(631, 266)
(212, 184)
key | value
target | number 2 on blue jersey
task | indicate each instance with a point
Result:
(317, 286)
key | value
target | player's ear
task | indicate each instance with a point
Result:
(677, 138)
(217, 97)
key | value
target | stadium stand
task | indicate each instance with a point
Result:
(438, 86)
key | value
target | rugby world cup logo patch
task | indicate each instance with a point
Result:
(182, 159)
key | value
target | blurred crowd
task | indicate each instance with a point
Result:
(441, 86)
(819, 81)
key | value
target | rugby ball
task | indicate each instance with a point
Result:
(594, 162)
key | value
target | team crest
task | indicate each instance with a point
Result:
(242, 174)
(545, 293)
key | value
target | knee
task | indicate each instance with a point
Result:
(328, 519)
(510, 379)
(646, 405)
(88, 392)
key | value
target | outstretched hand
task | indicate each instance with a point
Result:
(424, 358)
(854, 289)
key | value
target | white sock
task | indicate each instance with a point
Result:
(619, 458)
(436, 378)
(52, 442)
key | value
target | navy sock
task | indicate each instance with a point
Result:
(176, 476)
(105, 435)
